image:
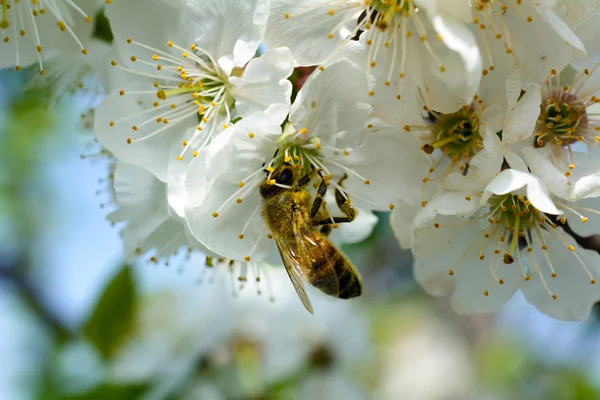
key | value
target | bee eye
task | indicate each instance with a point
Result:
(286, 177)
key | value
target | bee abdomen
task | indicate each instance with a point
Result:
(349, 281)
(335, 276)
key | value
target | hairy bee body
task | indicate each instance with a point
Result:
(307, 254)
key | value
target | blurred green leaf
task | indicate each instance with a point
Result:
(102, 29)
(113, 315)
(111, 392)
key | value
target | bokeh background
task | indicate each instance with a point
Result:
(76, 323)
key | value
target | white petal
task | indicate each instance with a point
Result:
(587, 31)
(402, 222)
(228, 28)
(447, 203)
(355, 232)
(511, 180)
(573, 188)
(332, 101)
(395, 100)
(443, 91)
(459, 38)
(166, 14)
(547, 41)
(143, 204)
(447, 249)
(264, 86)
(304, 26)
(213, 181)
(520, 121)
(575, 294)
(125, 111)
(222, 234)
(589, 208)
(40, 30)
(484, 166)
(393, 164)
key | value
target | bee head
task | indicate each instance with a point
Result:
(285, 176)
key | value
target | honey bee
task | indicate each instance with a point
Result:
(299, 227)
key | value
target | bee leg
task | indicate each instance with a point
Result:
(344, 202)
(305, 180)
(318, 202)
(344, 205)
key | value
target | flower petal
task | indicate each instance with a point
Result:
(387, 168)
(121, 117)
(264, 86)
(575, 294)
(520, 121)
(448, 250)
(511, 180)
(229, 29)
(332, 101)
(304, 26)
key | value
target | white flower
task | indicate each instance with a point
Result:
(509, 239)
(170, 337)
(329, 133)
(428, 40)
(186, 95)
(531, 30)
(181, 336)
(88, 76)
(153, 212)
(557, 131)
(32, 29)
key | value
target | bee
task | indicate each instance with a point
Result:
(299, 227)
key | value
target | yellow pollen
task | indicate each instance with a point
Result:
(247, 258)
(215, 214)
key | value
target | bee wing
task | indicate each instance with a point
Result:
(317, 255)
(294, 270)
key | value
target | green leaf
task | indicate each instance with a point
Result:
(102, 29)
(113, 316)
(112, 392)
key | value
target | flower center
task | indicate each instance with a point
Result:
(190, 83)
(564, 118)
(511, 225)
(390, 10)
(514, 217)
(457, 134)
(481, 5)
(561, 116)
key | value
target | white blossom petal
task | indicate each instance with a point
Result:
(575, 294)
(332, 102)
(264, 85)
(231, 29)
(511, 180)
(521, 120)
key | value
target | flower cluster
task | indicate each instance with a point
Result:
(473, 122)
